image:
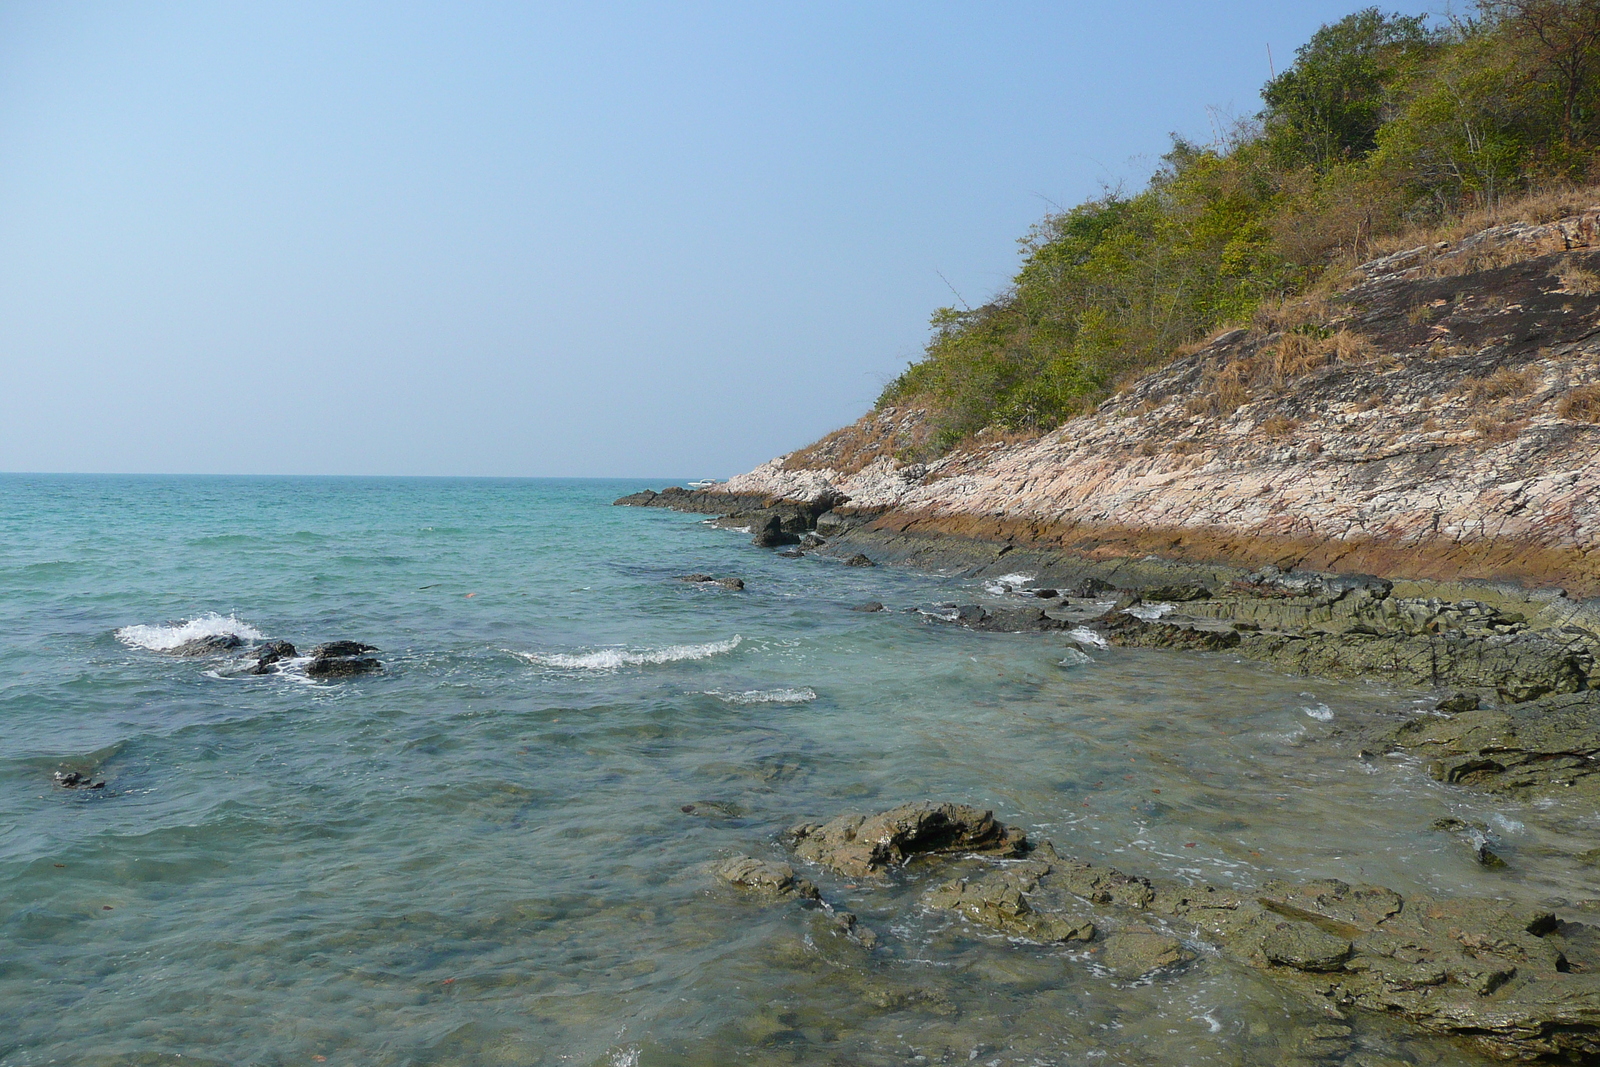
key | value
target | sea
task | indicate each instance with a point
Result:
(497, 850)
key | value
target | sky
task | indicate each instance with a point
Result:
(527, 239)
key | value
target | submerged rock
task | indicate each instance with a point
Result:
(861, 846)
(707, 579)
(77, 780)
(766, 880)
(1509, 978)
(869, 606)
(341, 648)
(1136, 953)
(859, 560)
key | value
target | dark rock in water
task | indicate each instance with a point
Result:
(713, 809)
(270, 653)
(706, 579)
(766, 879)
(1090, 588)
(642, 499)
(77, 780)
(847, 923)
(1127, 630)
(768, 532)
(1016, 621)
(871, 605)
(810, 539)
(1042, 594)
(205, 646)
(858, 560)
(1456, 703)
(341, 666)
(791, 553)
(341, 648)
(861, 846)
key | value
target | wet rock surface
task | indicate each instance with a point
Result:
(1544, 748)
(77, 780)
(1509, 979)
(862, 846)
(342, 659)
(271, 653)
(209, 645)
(766, 880)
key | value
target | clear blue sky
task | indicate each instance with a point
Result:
(531, 239)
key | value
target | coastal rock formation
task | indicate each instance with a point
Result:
(1438, 419)
(861, 846)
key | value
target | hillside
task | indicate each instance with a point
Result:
(1436, 418)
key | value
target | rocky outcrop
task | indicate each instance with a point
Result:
(1510, 979)
(1436, 420)
(862, 846)
(271, 653)
(209, 645)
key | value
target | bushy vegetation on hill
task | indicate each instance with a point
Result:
(1382, 124)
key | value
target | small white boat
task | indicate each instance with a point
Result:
(706, 483)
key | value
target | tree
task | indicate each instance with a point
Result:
(1565, 35)
(1327, 108)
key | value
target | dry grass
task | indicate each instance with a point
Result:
(1535, 209)
(869, 438)
(1493, 428)
(1278, 426)
(1581, 404)
(1269, 372)
(1576, 280)
(1503, 384)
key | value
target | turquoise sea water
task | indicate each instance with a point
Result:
(480, 855)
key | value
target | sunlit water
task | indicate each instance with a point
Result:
(480, 855)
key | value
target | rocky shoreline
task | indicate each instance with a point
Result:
(1514, 982)
(1517, 717)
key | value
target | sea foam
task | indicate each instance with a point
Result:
(799, 695)
(172, 634)
(610, 659)
(1007, 583)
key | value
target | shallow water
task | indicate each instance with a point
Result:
(480, 855)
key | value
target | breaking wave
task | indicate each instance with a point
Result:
(171, 635)
(610, 659)
(1007, 583)
(1085, 636)
(801, 695)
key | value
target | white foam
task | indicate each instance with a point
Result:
(800, 695)
(1072, 657)
(1150, 612)
(610, 659)
(171, 635)
(1007, 583)
(1085, 636)
(1320, 712)
(1510, 826)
